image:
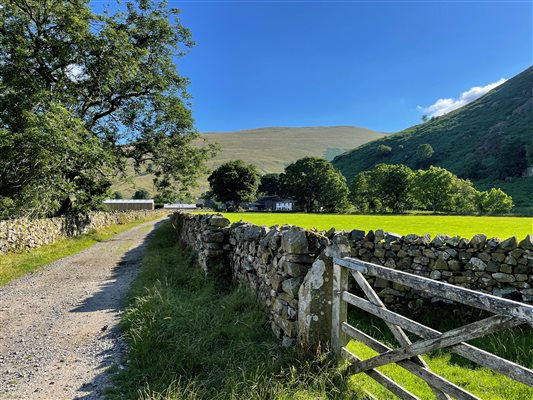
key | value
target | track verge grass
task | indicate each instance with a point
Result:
(191, 338)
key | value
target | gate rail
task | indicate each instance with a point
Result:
(508, 314)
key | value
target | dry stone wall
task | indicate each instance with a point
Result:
(502, 268)
(272, 262)
(290, 268)
(19, 235)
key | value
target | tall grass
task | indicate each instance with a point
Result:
(191, 338)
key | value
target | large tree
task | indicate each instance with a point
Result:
(363, 193)
(494, 200)
(80, 93)
(234, 182)
(385, 185)
(437, 189)
(270, 185)
(315, 185)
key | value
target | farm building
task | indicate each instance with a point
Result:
(273, 203)
(285, 205)
(180, 206)
(127, 204)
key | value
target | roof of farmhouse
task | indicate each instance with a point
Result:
(128, 201)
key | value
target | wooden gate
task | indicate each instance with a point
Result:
(507, 314)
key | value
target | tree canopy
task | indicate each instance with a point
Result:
(434, 189)
(81, 93)
(494, 200)
(424, 152)
(397, 188)
(235, 182)
(315, 185)
(385, 187)
(384, 150)
(270, 185)
(141, 194)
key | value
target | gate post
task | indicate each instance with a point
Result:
(339, 308)
(315, 298)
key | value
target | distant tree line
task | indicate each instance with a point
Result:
(318, 187)
(397, 188)
(313, 182)
(512, 158)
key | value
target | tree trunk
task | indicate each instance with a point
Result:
(66, 206)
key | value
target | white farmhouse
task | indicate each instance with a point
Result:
(285, 205)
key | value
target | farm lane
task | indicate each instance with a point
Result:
(58, 326)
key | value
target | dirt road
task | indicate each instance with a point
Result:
(58, 326)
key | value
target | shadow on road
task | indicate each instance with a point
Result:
(110, 298)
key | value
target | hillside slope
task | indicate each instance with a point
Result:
(270, 149)
(484, 141)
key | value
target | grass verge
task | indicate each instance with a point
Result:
(14, 265)
(464, 226)
(193, 339)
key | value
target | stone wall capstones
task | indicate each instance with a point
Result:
(502, 268)
(19, 235)
(290, 268)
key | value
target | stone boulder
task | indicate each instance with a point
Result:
(294, 241)
(219, 221)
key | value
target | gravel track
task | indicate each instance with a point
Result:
(58, 326)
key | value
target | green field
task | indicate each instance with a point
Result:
(464, 226)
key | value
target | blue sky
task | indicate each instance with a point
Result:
(372, 64)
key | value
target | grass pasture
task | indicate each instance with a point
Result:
(192, 338)
(464, 226)
(512, 344)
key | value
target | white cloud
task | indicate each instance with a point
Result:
(444, 106)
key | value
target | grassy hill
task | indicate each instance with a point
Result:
(484, 141)
(270, 149)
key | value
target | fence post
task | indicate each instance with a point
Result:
(339, 308)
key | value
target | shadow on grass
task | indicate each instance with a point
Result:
(191, 339)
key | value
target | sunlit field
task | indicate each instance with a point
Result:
(465, 226)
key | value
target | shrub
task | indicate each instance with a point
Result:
(494, 201)
(384, 150)
(424, 152)
(141, 194)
